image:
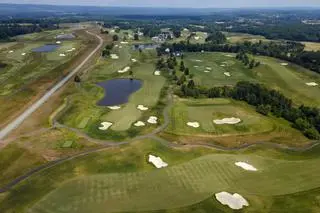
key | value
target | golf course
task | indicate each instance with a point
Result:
(110, 122)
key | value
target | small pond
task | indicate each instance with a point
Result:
(145, 46)
(2, 66)
(118, 91)
(46, 48)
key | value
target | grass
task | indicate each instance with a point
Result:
(242, 37)
(311, 46)
(252, 128)
(290, 80)
(188, 183)
(25, 76)
(83, 112)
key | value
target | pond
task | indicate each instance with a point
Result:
(2, 66)
(145, 46)
(46, 48)
(118, 91)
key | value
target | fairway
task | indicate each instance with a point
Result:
(290, 80)
(188, 183)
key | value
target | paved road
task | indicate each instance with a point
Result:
(15, 123)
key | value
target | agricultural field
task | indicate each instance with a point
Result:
(26, 73)
(242, 37)
(210, 70)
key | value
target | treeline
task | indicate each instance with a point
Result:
(305, 119)
(289, 51)
(10, 30)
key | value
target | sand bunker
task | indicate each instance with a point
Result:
(284, 64)
(227, 74)
(196, 37)
(167, 50)
(11, 51)
(134, 60)
(116, 45)
(105, 125)
(114, 56)
(157, 162)
(198, 60)
(124, 42)
(227, 121)
(195, 66)
(153, 120)
(139, 123)
(126, 69)
(142, 108)
(23, 54)
(193, 124)
(246, 166)
(120, 47)
(312, 84)
(157, 72)
(58, 42)
(114, 107)
(228, 55)
(62, 55)
(234, 201)
(72, 49)
(222, 65)
(207, 71)
(208, 68)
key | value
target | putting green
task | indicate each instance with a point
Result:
(180, 185)
(290, 80)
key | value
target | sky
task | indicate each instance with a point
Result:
(177, 3)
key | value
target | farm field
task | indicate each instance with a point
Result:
(27, 72)
(209, 70)
(124, 181)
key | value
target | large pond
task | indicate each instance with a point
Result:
(118, 91)
(145, 46)
(46, 48)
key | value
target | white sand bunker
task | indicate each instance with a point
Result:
(58, 42)
(124, 42)
(157, 162)
(206, 71)
(234, 201)
(72, 49)
(11, 51)
(157, 72)
(222, 65)
(23, 54)
(196, 37)
(62, 55)
(227, 121)
(114, 107)
(196, 66)
(139, 123)
(126, 69)
(142, 108)
(227, 74)
(193, 124)
(134, 60)
(208, 68)
(153, 120)
(114, 56)
(312, 84)
(284, 64)
(105, 125)
(228, 55)
(246, 166)
(198, 60)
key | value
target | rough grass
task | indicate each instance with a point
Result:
(289, 80)
(311, 46)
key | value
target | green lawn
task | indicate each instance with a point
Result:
(290, 80)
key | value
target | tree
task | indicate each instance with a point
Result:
(252, 63)
(117, 30)
(177, 33)
(191, 84)
(182, 67)
(115, 37)
(136, 37)
(131, 74)
(186, 71)
(302, 124)
(264, 109)
(312, 133)
(77, 79)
